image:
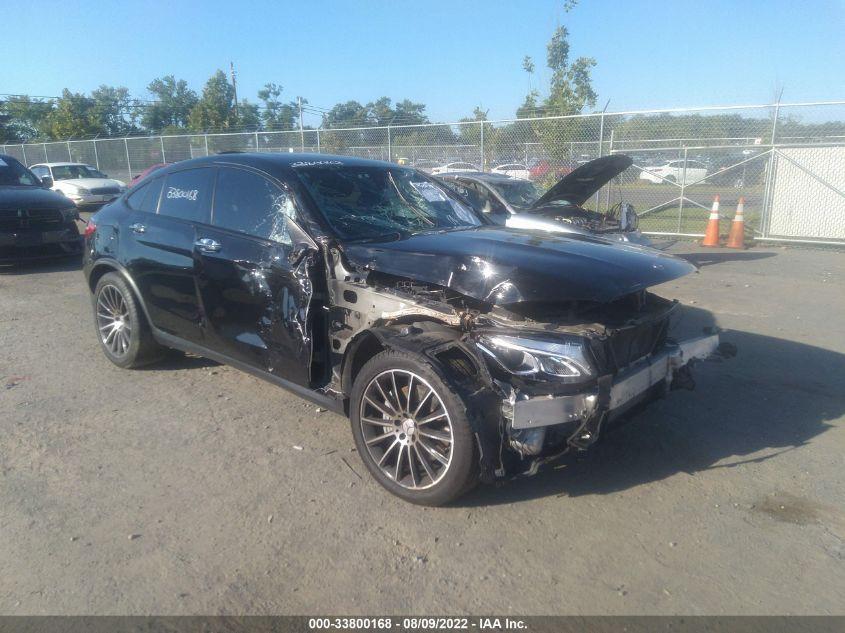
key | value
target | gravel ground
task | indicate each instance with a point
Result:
(191, 488)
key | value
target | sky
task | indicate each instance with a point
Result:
(452, 55)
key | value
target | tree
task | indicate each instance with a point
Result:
(72, 117)
(173, 104)
(277, 115)
(214, 111)
(24, 118)
(570, 91)
(113, 111)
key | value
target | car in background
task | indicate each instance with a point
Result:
(455, 167)
(86, 186)
(426, 166)
(678, 172)
(34, 221)
(517, 203)
(512, 170)
(460, 351)
(139, 177)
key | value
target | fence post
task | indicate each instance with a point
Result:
(256, 140)
(96, 155)
(23, 149)
(389, 145)
(481, 123)
(205, 136)
(766, 209)
(601, 140)
(683, 189)
(161, 140)
(69, 158)
(318, 141)
(128, 162)
(607, 191)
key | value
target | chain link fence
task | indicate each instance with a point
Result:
(786, 160)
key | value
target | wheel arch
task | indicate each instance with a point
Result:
(102, 267)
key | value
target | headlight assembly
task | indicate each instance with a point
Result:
(564, 360)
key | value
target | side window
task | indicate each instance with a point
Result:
(145, 197)
(40, 171)
(249, 203)
(187, 194)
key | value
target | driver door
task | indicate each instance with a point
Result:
(253, 277)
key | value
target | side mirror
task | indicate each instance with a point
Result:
(46, 182)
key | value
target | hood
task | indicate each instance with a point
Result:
(89, 183)
(32, 198)
(577, 186)
(504, 266)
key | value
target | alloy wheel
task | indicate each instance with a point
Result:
(406, 429)
(113, 320)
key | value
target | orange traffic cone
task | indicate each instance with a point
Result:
(711, 235)
(736, 238)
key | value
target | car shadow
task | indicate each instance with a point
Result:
(57, 264)
(175, 360)
(774, 396)
(720, 257)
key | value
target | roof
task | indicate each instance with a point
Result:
(270, 160)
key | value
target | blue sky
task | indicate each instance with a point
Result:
(450, 54)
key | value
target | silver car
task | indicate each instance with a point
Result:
(517, 203)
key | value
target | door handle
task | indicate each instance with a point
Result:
(138, 228)
(207, 245)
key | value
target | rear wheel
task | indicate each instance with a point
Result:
(411, 430)
(122, 330)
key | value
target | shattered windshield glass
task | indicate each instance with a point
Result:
(520, 194)
(370, 202)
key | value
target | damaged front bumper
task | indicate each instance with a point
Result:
(530, 417)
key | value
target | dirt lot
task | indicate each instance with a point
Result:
(182, 488)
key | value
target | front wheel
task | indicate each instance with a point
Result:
(411, 430)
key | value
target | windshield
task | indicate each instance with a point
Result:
(371, 202)
(13, 173)
(68, 172)
(519, 194)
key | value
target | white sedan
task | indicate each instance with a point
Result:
(513, 170)
(675, 172)
(452, 168)
(81, 183)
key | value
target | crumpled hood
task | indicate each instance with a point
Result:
(504, 266)
(578, 185)
(32, 198)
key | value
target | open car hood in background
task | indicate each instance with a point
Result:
(577, 186)
(505, 266)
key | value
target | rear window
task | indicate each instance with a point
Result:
(187, 195)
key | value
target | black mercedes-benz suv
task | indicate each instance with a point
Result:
(34, 221)
(459, 350)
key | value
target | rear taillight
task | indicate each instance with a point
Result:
(90, 228)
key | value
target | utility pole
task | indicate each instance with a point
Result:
(234, 85)
(301, 130)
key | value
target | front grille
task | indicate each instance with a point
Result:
(44, 219)
(102, 191)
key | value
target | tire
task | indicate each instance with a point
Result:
(130, 344)
(381, 432)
